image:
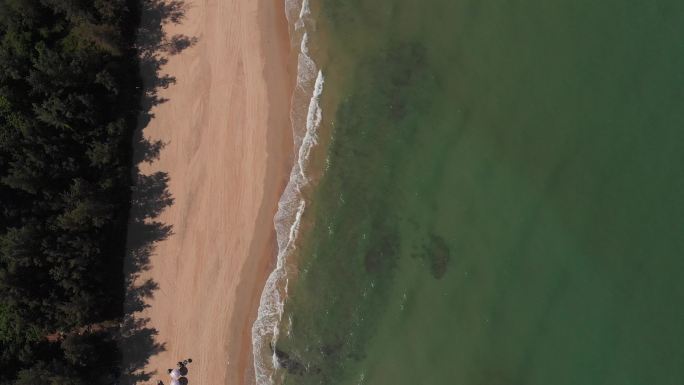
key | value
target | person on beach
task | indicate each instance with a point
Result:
(183, 363)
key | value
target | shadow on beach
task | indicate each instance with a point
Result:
(149, 196)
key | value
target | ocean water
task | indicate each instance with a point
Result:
(500, 197)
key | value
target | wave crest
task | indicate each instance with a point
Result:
(306, 119)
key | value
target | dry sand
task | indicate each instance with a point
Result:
(228, 152)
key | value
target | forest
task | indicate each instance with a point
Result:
(69, 100)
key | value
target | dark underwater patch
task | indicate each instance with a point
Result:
(437, 255)
(382, 255)
(288, 363)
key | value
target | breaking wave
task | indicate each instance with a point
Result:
(305, 117)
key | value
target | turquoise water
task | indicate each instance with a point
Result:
(504, 196)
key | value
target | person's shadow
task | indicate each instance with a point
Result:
(150, 195)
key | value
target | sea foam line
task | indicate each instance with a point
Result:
(292, 205)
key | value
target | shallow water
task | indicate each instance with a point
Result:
(503, 196)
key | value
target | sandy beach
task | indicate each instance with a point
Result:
(227, 152)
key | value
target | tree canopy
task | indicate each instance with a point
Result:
(68, 104)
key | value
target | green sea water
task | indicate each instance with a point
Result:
(503, 200)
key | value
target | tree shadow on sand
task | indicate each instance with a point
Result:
(150, 195)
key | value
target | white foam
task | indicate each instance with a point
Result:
(304, 12)
(313, 121)
(306, 67)
(291, 207)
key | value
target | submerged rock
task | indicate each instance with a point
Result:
(437, 255)
(288, 363)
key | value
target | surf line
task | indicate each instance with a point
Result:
(291, 206)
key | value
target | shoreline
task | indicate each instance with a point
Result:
(306, 119)
(279, 61)
(226, 153)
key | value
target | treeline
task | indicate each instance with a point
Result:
(69, 96)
